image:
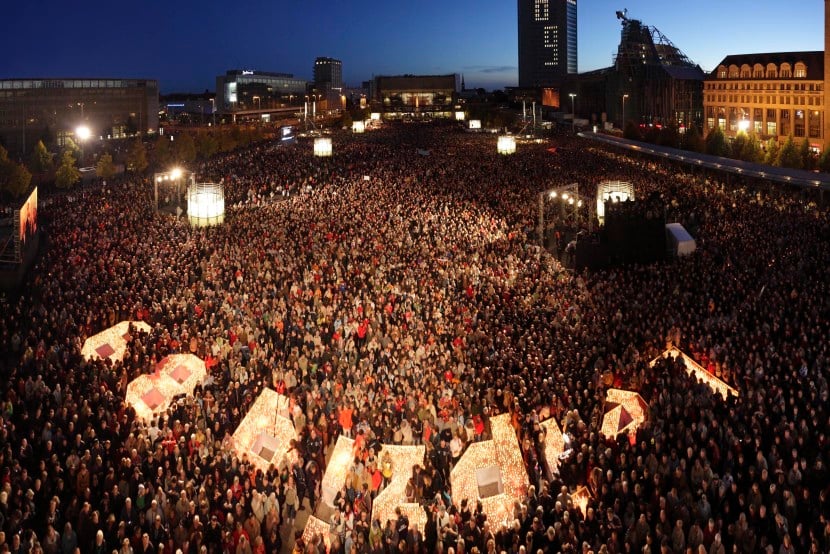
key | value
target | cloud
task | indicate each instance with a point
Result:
(490, 68)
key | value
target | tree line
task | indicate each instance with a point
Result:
(746, 146)
(62, 168)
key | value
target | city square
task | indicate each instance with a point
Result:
(412, 318)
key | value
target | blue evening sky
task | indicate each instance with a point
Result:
(185, 44)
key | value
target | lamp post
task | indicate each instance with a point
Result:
(624, 98)
(175, 175)
(573, 111)
(82, 133)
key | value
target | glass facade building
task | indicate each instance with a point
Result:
(239, 89)
(51, 109)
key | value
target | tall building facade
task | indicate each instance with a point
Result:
(774, 95)
(414, 95)
(51, 109)
(241, 89)
(328, 74)
(547, 42)
(826, 99)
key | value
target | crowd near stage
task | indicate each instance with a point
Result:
(373, 350)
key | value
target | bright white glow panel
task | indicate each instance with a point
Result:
(459, 116)
(150, 394)
(205, 204)
(266, 432)
(692, 367)
(554, 444)
(111, 343)
(342, 459)
(502, 451)
(322, 147)
(506, 145)
(394, 495)
(475, 124)
(358, 127)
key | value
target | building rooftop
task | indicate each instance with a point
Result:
(814, 60)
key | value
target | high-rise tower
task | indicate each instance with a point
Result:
(328, 74)
(547, 42)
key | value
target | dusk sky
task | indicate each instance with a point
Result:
(185, 44)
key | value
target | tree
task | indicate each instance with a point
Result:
(692, 140)
(72, 146)
(669, 136)
(738, 145)
(14, 178)
(751, 150)
(790, 156)
(716, 143)
(773, 149)
(227, 142)
(40, 160)
(67, 174)
(206, 145)
(137, 157)
(808, 160)
(184, 149)
(824, 160)
(631, 131)
(162, 152)
(346, 119)
(105, 168)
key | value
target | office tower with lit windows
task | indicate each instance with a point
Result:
(328, 74)
(547, 42)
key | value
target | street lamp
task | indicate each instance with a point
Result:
(82, 133)
(573, 111)
(624, 98)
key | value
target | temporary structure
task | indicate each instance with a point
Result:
(112, 343)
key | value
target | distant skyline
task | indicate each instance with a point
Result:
(186, 44)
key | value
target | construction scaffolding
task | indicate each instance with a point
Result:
(661, 85)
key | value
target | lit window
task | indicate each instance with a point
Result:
(541, 10)
(551, 36)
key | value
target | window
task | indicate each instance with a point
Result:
(772, 71)
(551, 36)
(785, 122)
(814, 124)
(799, 123)
(722, 72)
(758, 121)
(746, 71)
(541, 10)
(733, 119)
(800, 71)
(786, 71)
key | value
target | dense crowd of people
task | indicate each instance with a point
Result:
(402, 299)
